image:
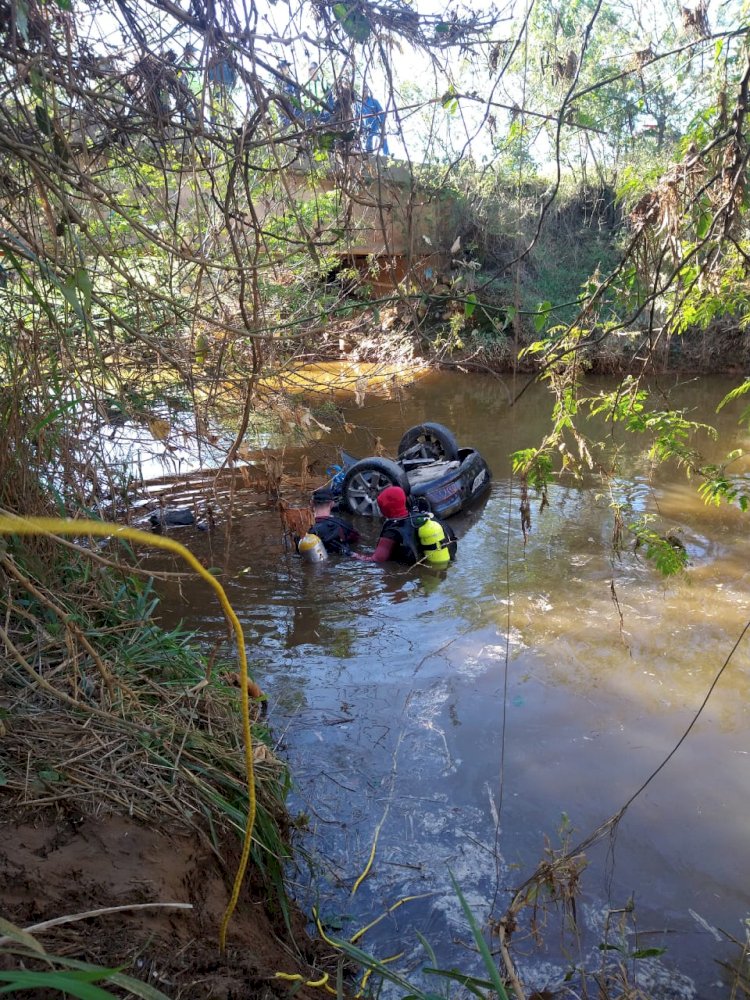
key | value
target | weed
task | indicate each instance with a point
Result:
(34, 969)
(122, 712)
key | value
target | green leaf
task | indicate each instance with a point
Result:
(43, 120)
(441, 28)
(703, 226)
(427, 947)
(82, 281)
(134, 986)
(78, 984)
(22, 19)
(667, 552)
(3, 778)
(541, 316)
(484, 951)
(740, 390)
(647, 952)
(50, 775)
(471, 983)
(584, 120)
(23, 937)
(354, 23)
(470, 305)
(449, 101)
(36, 81)
(69, 290)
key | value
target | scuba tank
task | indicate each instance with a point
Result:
(433, 540)
(311, 548)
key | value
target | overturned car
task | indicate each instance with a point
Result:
(430, 468)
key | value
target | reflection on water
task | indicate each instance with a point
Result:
(167, 443)
(456, 720)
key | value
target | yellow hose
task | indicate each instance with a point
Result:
(59, 526)
(295, 977)
(383, 961)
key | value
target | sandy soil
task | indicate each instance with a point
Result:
(57, 866)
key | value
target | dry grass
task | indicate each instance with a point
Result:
(102, 709)
(295, 521)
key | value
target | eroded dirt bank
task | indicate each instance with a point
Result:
(55, 865)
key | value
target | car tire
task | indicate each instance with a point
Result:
(365, 480)
(429, 440)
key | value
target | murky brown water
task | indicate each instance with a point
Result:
(423, 710)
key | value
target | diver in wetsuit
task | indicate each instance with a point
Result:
(399, 537)
(336, 534)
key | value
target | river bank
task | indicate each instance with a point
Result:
(168, 890)
(125, 791)
(478, 345)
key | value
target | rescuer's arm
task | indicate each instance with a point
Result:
(382, 552)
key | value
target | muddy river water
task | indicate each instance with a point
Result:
(457, 723)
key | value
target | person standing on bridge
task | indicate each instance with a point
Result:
(373, 124)
(316, 108)
(292, 96)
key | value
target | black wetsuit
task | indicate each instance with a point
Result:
(335, 534)
(403, 531)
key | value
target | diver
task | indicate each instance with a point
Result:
(336, 534)
(410, 537)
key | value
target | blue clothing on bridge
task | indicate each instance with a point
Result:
(373, 125)
(291, 91)
(222, 73)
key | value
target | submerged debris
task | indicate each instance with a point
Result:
(176, 517)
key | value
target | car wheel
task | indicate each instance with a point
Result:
(428, 441)
(365, 480)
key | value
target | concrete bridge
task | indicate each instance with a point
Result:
(395, 227)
